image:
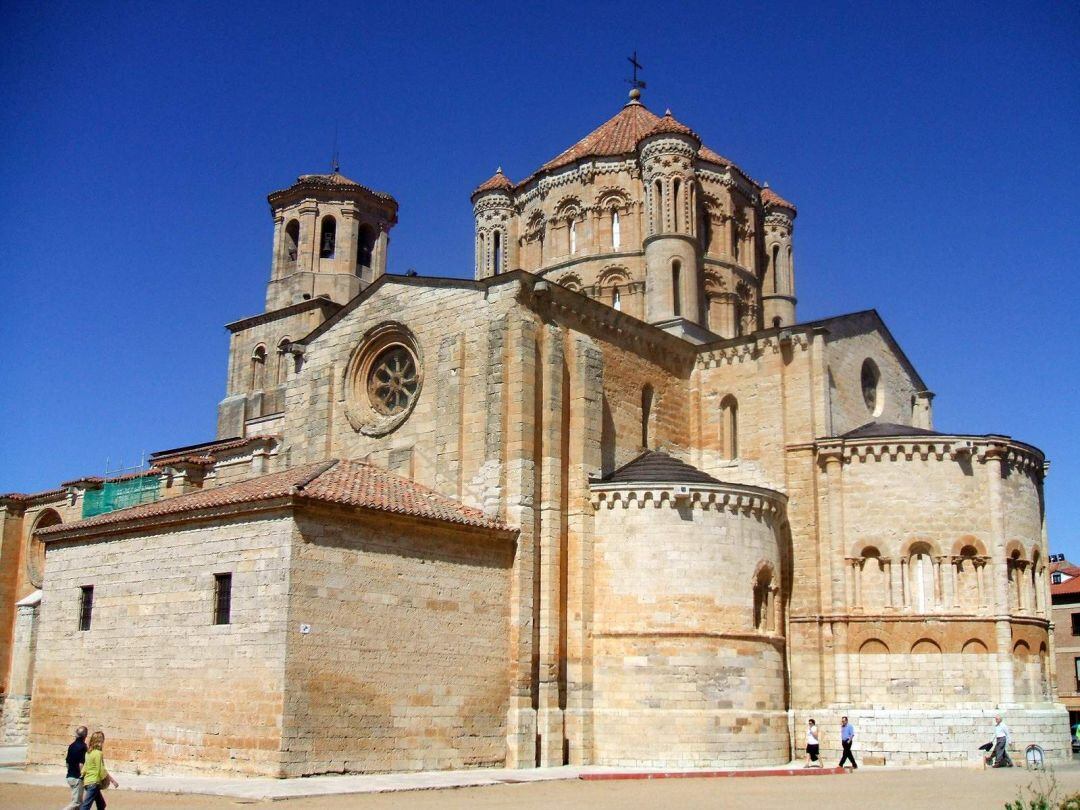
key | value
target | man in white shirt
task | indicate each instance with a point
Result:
(1000, 755)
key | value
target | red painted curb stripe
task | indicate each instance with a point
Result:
(599, 777)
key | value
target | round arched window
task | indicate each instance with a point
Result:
(871, 387)
(393, 381)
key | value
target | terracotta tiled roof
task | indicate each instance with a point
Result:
(654, 466)
(206, 452)
(496, 182)
(669, 126)
(1069, 586)
(29, 496)
(1065, 567)
(770, 197)
(333, 180)
(349, 483)
(620, 135)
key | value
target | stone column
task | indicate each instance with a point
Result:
(905, 585)
(275, 271)
(16, 715)
(890, 579)
(832, 459)
(858, 563)
(994, 459)
(307, 252)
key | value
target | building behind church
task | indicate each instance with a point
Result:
(609, 502)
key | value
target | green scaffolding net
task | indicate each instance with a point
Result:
(115, 495)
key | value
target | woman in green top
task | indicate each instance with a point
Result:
(95, 777)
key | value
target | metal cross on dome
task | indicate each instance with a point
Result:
(635, 82)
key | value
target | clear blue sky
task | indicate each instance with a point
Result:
(932, 154)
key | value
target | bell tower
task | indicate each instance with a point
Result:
(330, 238)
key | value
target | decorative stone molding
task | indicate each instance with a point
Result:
(759, 502)
(979, 449)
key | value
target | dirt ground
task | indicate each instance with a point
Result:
(951, 788)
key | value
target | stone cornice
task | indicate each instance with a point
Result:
(982, 449)
(734, 498)
(754, 346)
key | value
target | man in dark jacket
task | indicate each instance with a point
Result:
(76, 755)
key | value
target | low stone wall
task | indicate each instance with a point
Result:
(936, 737)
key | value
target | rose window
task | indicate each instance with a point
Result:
(393, 381)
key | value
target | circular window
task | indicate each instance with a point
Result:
(393, 382)
(383, 380)
(871, 387)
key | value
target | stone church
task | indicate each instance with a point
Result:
(609, 502)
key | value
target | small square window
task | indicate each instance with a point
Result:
(222, 598)
(1055, 578)
(1076, 624)
(86, 606)
(1076, 666)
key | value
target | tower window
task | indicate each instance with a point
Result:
(497, 252)
(292, 241)
(777, 281)
(658, 198)
(729, 426)
(365, 247)
(676, 288)
(283, 359)
(86, 606)
(573, 236)
(616, 235)
(222, 598)
(675, 202)
(646, 413)
(616, 299)
(870, 379)
(328, 240)
(258, 368)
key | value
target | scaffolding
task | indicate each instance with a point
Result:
(120, 489)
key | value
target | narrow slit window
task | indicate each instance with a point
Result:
(616, 234)
(498, 252)
(86, 606)
(222, 598)
(573, 236)
(676, 288)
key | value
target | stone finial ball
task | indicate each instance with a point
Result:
(635, 94)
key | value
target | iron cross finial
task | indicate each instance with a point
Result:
(635, 82)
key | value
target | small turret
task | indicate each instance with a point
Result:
(778, 282)
(673, 279)
(330, 238)
(493, 209)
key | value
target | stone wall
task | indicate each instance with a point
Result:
(172, 691)
(403, 667)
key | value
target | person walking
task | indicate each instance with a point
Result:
(813, 745)
(76, 755)
(95, 776)
(847, 737)
(1000, 756)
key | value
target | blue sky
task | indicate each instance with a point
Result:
(932, 153)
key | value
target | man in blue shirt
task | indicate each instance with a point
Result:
(76, 755)
(847, 737)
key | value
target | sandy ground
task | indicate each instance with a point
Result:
(951, 788)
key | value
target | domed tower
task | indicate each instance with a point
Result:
(493, 209)
(330, 238)
(778, 280)
(672, 247)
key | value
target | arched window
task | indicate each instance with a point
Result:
(921, 578)
(258, 368)
(481, 255)
(729, 427)
(496, 250)
(872, 581)
(676, 288)
(292, 242)
(616, 234)
(734, 240)
(283, 358)
(789, 273)
(658, 207)
(676, 199)
(35, 549)
(871, 390)
(365, 249)
(739, 312)
(646, 413)
(777, 281)
(573, 236)
(764, 605)
(616, 299)
(328, 239)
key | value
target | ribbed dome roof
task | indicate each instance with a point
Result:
(496, 182)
